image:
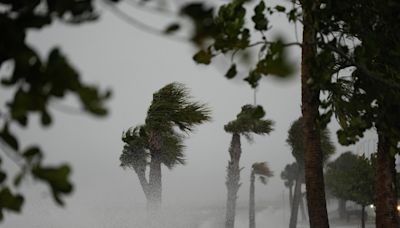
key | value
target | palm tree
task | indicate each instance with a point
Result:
(296, 141)
(289, 175)
(262, 170)
(158, 140)
(249, 121)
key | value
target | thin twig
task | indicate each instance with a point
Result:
(67, 109)
(140, 25)
(269, 42)
(11, 154)
(164, 11)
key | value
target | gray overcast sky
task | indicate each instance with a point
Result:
(111, 53)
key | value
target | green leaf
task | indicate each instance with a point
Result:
(253, 78)
(259, 18)
(45, 118)
(57, 178)
(275, 61)
(10, 201)
(203, 57)
(292, 15)
(9, 138)
(3, 176)
(18, 178)
(231, 73)
(32, 153)
(280, 8)
(258, 112)
(172, 28)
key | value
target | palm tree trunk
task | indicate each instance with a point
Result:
(155, 184)
(141, 173)
(232, 182)
(252, 207)
(302, 209)
(342, 208)
(296, 201)
(316, 202)
(385, 193)
(362, 216)
(291, 196)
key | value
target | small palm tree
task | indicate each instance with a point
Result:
(262, 170)
(158, 140)
(249, 121)
(296, 141)
(289, 175)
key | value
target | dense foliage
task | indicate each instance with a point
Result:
(37, 84)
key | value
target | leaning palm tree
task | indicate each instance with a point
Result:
(289, 175)
(262, 170)
(249, 121)
(158, 141)
(296, 141)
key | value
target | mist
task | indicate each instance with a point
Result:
(134, 64)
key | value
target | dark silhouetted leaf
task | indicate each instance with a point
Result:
(253, 78)
(32, 154)
(231, 73)
(280, 8)
(56, 178)
(203, 57)
(172, 28)
(9, 138)
(259, 19)
(45, 118)
(10, 201)
(18, 178)
(3, 176)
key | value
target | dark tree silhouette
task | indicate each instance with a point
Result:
(157, 142)
(296, 142)
(249, 121)
(261, 170)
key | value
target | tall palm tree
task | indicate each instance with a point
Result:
(296, 141)
(262, 170)
(158, 140)
(249, 121)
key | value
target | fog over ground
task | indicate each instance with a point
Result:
(113, 54)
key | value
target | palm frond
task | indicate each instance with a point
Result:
(250, 120)
(173, 149)
(172, 106)
(289, 174)
(263, 180)
(134, 154)
(262, 169)
(296, 142)
(133, 157)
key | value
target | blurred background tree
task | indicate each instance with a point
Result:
(36, 84)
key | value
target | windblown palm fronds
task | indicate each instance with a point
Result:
(250, 120)
(262, 170)
(172, 106)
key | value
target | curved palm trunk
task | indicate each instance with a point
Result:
(141, 173)
(385, 191)
(155, 184)
(290, 196)
(302, 209)
(252, 214)
(296, 202)
(232, 182)
(315, 187)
